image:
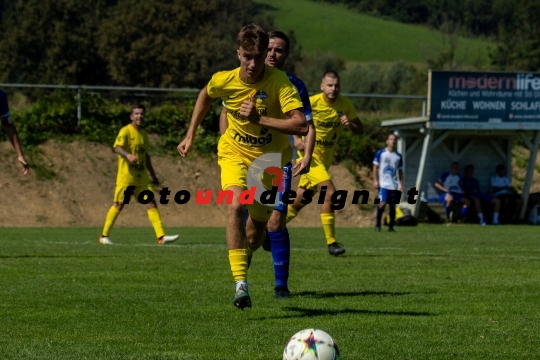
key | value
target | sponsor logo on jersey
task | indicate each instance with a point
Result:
(253, 140)
(261, 95)
(328, 124)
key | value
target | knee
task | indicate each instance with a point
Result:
(118, 206)
(277, 221)
(236, 209)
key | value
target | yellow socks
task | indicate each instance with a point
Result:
(328, 221)
(155, 219)
(109, 220)
(238, 258)
(291, 213)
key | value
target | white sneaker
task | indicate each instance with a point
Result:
(105, 240)
(167, 239)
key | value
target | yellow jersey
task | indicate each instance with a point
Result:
(328, 126)
(274, 95)
(136, 143)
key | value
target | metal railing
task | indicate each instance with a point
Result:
(80, 88)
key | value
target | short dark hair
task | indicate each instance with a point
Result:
(500, 167)
(454, 163)
(282, 36)
(253, 39)
(391, 134)
(331, 74)
(138, 106)
(469, 167)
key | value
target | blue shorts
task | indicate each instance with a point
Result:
(286, 183)
(455, 196)
(485, 198)
(384, 194)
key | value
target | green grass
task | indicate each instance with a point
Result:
(323, 27)
(430, 292)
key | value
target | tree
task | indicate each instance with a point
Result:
(52, 41)
(171, 43)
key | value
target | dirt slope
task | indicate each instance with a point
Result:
(81, 191)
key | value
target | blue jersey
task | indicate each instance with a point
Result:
(304, 95)
(389, 163)
(451, 182)
(470, 185)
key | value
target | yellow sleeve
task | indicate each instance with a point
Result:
(215, 85)
(288, 96)
(350, 110)
(122, 138)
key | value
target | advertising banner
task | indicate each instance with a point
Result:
(484, 100)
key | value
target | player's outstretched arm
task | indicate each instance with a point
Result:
(303, 166)
(440, 186)
(13, 137)
(223, 121)
(204, 101)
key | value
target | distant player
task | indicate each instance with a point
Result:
(471, 188)
(449, 184)
(331, 113)
(11, 131)
(387, 177)
(501, 187)
(134, 164)
(278, 241)
(257, 98)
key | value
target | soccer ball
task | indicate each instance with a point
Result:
(311, 344)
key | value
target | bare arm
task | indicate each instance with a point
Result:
(223, 121)
(355, 125)
(130, 157)
(440, 186)
(13, 137)
(304, 165)
(204, 101)
(401, 180)
(375, 176)
(151, 170)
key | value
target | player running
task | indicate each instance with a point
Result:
(331, 113)
(278, 241)
(387, 177)
(257, 98)
(131, 145)
(11, 131)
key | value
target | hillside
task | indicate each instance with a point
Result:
(323, 27)
(81, 190)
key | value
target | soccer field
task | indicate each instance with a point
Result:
(429, 292)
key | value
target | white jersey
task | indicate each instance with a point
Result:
(389, 164)
(451, 182)
(502, 183)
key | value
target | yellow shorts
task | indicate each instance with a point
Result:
(119, 192)
(242, 169)
(317, 174)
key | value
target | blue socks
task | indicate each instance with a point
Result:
(392, 215)
(448, 211)
(281, 255)
(380, 212)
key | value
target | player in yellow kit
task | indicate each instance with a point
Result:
(131, 145)
(257, 98)
(331, 113)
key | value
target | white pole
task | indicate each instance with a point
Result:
(530, 172)
(421, 169)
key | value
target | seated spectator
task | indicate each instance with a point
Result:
(501, 188)
(448, 183)
(471, 189)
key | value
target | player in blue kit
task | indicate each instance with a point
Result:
(388, 177)
(471, 188)
(449, 184)
(277, 240)
(11, 131)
